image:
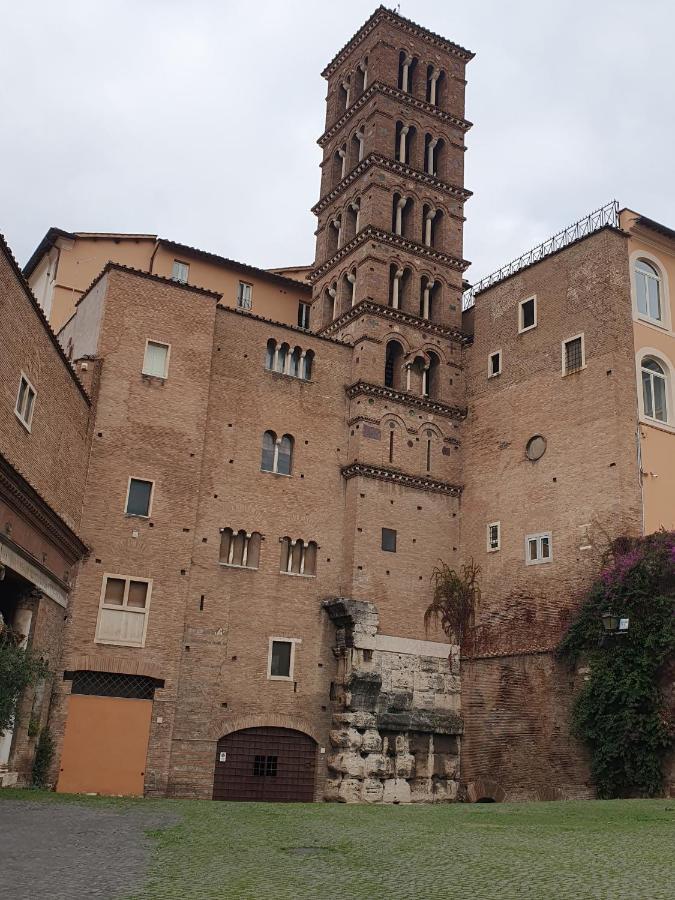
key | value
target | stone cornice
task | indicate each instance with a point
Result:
(378, 161)
(382, 14)
(369, 307)
(394, 476)
(370, 232)
(378, 87)
(16, 491)
(435, 407)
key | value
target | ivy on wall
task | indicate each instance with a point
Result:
(619, 712)
(19, 668)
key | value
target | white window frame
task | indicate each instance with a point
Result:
(490, 373)
(240, 304)
(540, 560)
(144, 612)
(522, 303)
(666, 322)
(291, 668)
(660, 357)
(174, 273)
(19, 413)
(168, 357)
(150, 502)
(306, 307)
(563, 364)
(490, 548)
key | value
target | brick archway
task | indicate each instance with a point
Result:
(269, 721)
(485, 789)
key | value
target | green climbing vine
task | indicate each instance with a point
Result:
(19, 668)
(619, 712)
(456, 596)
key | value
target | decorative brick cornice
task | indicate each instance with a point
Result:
(369, 307)
(382, 14)
(366, 389)
(387, 90)
(394, 476)
(371, 233)
(378, 161)
(16, 491)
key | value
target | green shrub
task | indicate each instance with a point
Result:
(19, 668)
(44, 753)
(620, 713)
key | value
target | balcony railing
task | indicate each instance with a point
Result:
(599, 218)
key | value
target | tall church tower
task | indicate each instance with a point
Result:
(388, 281)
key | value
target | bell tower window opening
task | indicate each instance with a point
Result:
(361, 78)
(349, 281)
(330, 298)
(430, 377)
(404, 144)
(428, 292)
(339, 164)
(435, 78)
(353, 218)
(428, 457)
(392, 365)
(345, 92)
(406, 71)
(431, 223)
(392, 431)
(358, 146)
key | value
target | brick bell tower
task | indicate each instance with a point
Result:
(388, 281)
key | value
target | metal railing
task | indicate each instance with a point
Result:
(599, 218)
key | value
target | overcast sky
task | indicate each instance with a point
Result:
(197, 119)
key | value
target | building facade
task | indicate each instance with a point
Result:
(268, 490)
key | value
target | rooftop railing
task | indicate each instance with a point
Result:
(599, 218)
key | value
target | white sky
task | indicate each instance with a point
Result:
(197, 119)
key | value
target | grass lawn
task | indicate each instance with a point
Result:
(601, 849)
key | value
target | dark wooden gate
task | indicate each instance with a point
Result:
(265, 764)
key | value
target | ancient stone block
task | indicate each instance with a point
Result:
(349, 790)
(371, 741)
(396, 790)
(372, 791)
(404, 765)
(375, 764)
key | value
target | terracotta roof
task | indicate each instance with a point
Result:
(382, 13)
(4, 247)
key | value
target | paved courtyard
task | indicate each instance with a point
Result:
(74, 848)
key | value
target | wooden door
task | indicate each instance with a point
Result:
(265, 764)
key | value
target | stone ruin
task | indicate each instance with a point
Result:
(396, 721)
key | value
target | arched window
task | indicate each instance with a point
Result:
(339, 164)
(284, 455)
(392, 441)
(654, 390)
(406, 71)
(298, 557)
(431, 223)
(392, 365)
(349, 289)
(430, 378)
(283, 358)
(309, 360)
(269, 452)
(269, 354)
(344, 92)
(648, 290)
(353, 216)
(361, 76)
(358, 146)
(405, 141)
(296, 358)
(239, 548)
(435, 78)
(331, 296)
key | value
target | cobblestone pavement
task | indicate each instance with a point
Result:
(615, 850)
(67, 851)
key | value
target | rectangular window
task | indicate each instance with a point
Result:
(180, 271)
(265, 766)
(527, 313)
(245, 295)
(303, 314)
(538, 548)
(156, 359)
(389, 540)
(123, 610)
(495, 364)
(139, 497)
(25, 401)
(493, 536)
(281, 658)
(573, 356)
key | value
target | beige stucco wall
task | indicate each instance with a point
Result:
(657, 440)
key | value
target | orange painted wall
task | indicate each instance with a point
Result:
(105, 746)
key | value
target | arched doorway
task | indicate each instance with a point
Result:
(265, 764)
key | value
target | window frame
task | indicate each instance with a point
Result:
(303, 313)
(490, 548)
(563, 346)
(174, 276)
(150, 501)
(492, 353)
(521, 304)
(291, 665)
(248, 537)
(145, 612)
(538, 537)
(19, 413)
(645, 354)
(240, 297)
(166, 364)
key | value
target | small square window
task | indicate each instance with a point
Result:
(139, 497)
(538, 549)
(573, 357)
(245, 295)
(25, 401)
(180, 271)
(389, 540)
(281, 658)
(495, 364)
(156, 359)
(303, 314)
(527, 314)
(493, 537)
